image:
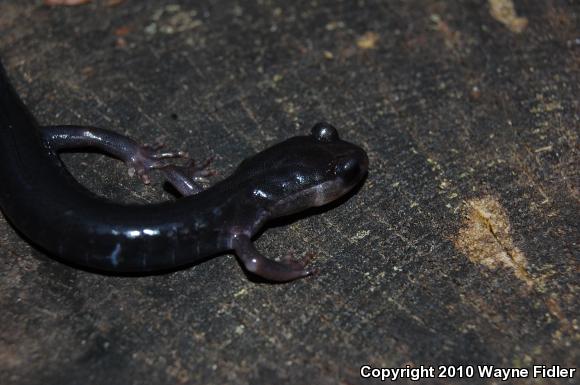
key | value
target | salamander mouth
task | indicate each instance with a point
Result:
(327, 192)
(315, 196)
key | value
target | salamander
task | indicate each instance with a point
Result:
(53, 211)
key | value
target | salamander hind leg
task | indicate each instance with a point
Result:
(149, 157)
(263, 267)
(188, 179)
(140, 159)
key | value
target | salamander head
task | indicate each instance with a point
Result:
(305, 171)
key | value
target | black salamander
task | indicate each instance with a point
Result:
(51, 209)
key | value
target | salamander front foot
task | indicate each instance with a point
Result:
(263, 267)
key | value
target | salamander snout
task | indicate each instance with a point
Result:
(350, 170)
(352, 161)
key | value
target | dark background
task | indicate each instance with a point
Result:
(460, 248)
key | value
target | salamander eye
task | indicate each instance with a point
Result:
(324, 132)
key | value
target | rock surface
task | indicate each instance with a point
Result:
(461, 247)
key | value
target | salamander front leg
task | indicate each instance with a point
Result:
(140, 159)
(261, 266)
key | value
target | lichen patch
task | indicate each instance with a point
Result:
(368, 41)
(505, 12)
(485, 238)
